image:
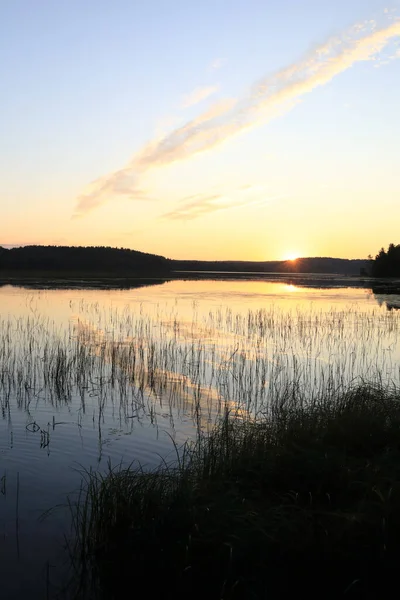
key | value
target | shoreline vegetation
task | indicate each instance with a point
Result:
(106, 262)
(88, 262)
(304, 501)
(387, 263)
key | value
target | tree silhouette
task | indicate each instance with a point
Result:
(97, 259)
(387, 263)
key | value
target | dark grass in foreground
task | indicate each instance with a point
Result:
(305, 503)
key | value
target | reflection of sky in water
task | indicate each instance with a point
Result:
(208, 349)
(238, 295)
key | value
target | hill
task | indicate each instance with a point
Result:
(90, 260)
(97, 261)
(340, 266)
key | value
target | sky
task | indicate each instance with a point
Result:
(221, 129)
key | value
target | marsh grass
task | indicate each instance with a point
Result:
(291, 480)
(160, 363)
(303, 503)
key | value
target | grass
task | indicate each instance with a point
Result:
(291, 485)
(302, 502)
(199, 365)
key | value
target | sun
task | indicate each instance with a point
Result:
(291, 256)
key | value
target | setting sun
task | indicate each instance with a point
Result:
(291, 256)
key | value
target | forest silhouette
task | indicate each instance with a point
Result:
(387, 263)
(124, 262)
(105, 261)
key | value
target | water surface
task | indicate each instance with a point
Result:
(89, 376)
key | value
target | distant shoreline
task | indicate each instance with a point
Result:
(105, 267)
(103, 261)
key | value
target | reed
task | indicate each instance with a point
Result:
(152, 363)
(291, 458)
(304, 502)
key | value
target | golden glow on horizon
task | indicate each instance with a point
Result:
(291, 256)
(281, 191)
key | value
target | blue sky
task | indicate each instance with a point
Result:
(85, 87)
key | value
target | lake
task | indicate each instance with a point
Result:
(91, 376)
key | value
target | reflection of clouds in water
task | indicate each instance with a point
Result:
(223, 347)
(229, 349)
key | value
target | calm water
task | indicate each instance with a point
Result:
(90, 376)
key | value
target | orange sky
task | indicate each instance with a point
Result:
(284, 145)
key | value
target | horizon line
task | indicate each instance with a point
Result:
(219, 260)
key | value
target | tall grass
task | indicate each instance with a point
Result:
(303, 503)
(293, 460)
(202, 365)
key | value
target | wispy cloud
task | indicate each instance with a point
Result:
(198, 95)
(272, 96)
(387, 57)
(199, 205)
(120, 183)
(195, 207)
